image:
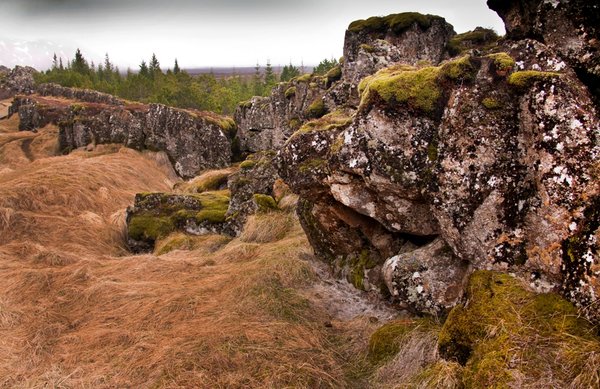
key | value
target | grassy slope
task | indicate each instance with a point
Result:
(77, 311)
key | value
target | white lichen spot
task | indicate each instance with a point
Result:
(573, 226)
(420, 289)
(416, 275)
(575, 124)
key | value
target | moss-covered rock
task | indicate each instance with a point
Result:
(478, 38)
(264, 202)
(395, 22)
(420, 89)
(290, 92)
(502, 61)
(334, 120)
(316, 109)
(156, 215)
(526, 78)
(505, 332)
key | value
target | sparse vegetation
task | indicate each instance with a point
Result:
(331, 121)
(502, 61)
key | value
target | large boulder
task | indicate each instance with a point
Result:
(493, 156)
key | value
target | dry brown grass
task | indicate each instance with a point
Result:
(76, 311)
(209, 180)
(265, 228)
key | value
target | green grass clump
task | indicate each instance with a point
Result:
(526, 78)
(491, 103)
(395, 22)
(476, 38)
(146, 227)
(290, 92)
(385, 342)
(505, 328)
(331, 121)
(316, 109)
(502, 61)
(420, 89)
(265, 202)
(247, 164)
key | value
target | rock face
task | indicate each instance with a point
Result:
(265, 123)
(193, 140)
(16, 81)
(85, 95)
(487, 161)
(570, 27)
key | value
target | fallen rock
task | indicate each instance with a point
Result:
(19, 80)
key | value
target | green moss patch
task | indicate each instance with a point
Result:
(303, 78)
(146, 227)
(420, 89)
(264, 202)
(506, 331)
(526, 78)
(290, 92)
(358, 266)
(502, 61)
(331, 121)
(316, 109)
(397, 23)
(247, 164)
(295, 123)
(491, 103)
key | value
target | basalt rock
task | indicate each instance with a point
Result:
(193, 140)
(487, 161)
(156, 215)
(85, 95)
(265, 123)
(19, 80)
(570, 27)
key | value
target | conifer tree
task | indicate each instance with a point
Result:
(270, 77)
(144, 69)
(176, 69)
(79, 64)
(154, 66)
(54, 62)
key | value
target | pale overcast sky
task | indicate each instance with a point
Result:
(205, 32)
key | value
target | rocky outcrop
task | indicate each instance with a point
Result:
(252, 184)
(570, 27)
(265, 123)
(487, 161)
(16, 81)
(85, 95)
(193, 140)
(378, 42)
(249, 190)
(156, 215)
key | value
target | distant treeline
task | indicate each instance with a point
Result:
(175, 87)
